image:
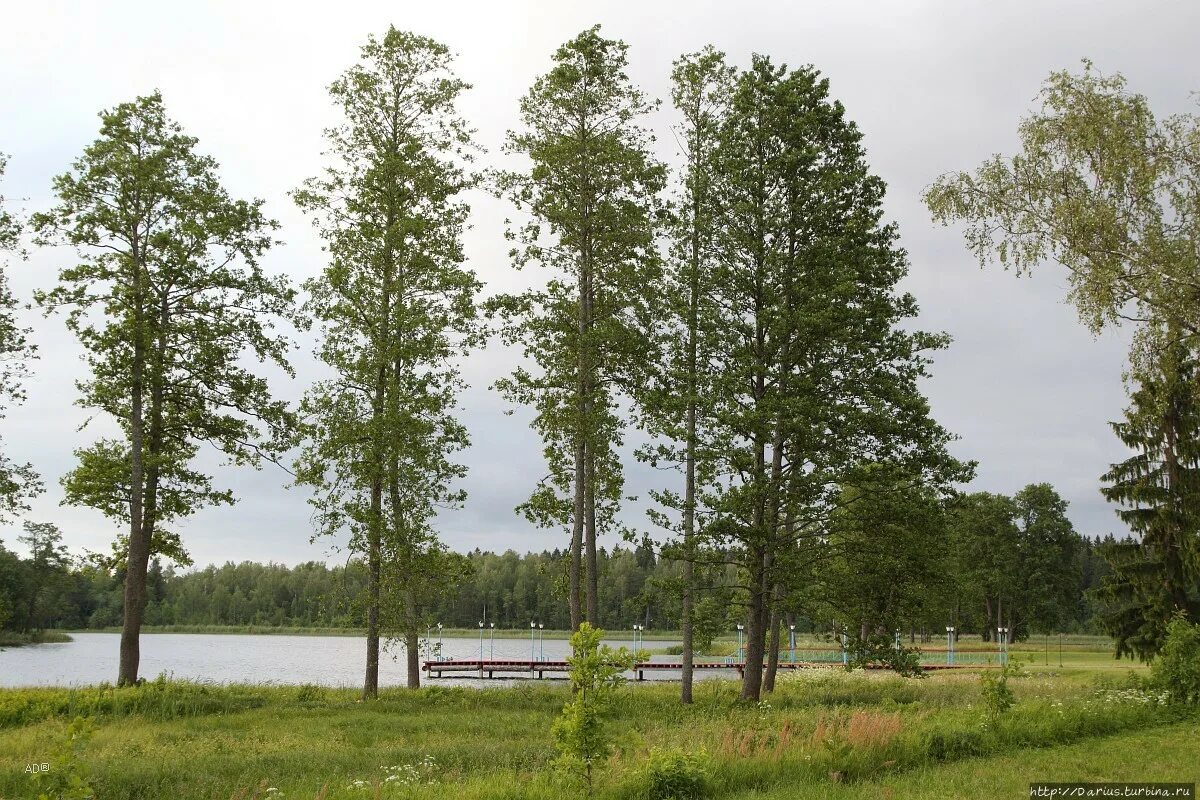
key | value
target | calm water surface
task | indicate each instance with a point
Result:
(246, 658)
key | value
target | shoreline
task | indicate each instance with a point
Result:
(11, 639)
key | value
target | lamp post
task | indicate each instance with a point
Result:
(492, 643)
(1002, 640)
(950, 644)
(439, 627)
(481, 643)
(739, 650)
(532, 629)
(541, 641)
(845, 652)
(792, 641)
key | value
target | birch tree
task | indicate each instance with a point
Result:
(1107, 190)
(396, 308)
(18, 482)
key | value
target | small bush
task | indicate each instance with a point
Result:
(676, 775)
(69, 780)
(997, 696)
(1176, 670)
(580, 734)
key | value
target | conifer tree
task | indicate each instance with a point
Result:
(1158, 575)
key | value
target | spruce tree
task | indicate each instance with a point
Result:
(1159, 491)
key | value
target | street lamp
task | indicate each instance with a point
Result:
(740, 628)
(481, 642)
(541, 642)
(532, 629)
(439, 658)
(1002, 636)
(949, 644)
(792, 642)
(492, 643)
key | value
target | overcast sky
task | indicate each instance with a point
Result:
(934, 87)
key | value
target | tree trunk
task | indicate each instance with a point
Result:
(375, 522)
(592, 562)
(374, 563)
(413, 654)
(138, 555)
(577, 535)
(776, 626)
(755, 629)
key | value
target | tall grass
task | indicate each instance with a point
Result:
(187, 740)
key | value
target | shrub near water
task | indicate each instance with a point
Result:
(157, 699)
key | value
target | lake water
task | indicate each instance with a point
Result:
(247, 658)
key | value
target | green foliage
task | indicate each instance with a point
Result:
(882, 649)
(590, 193)
(888, 543)
(997, 695)
(18, 482)
(1176, 669)
(67, 778)
(156, 699)
(675, 774)
(1099, 186)
(396, 310)
(1156, 576)
(169, 300)
(580, 734)
(811, 372)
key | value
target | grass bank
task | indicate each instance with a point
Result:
(14, 639)
(838, 735)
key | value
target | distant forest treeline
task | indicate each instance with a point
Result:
(514, 589)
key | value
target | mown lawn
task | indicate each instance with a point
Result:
(825, 734)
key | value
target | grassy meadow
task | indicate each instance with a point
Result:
(823, 733)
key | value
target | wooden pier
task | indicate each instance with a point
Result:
(524, 668)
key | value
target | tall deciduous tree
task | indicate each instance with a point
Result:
(168, 299)
(671, 404)
(591, 198)
(986, 554)
(814, 377)
(18, 482)
(1158, 487)
(888, 546)
(396, 307)
(47, 561)
(1106, 190)
(1049, 560)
